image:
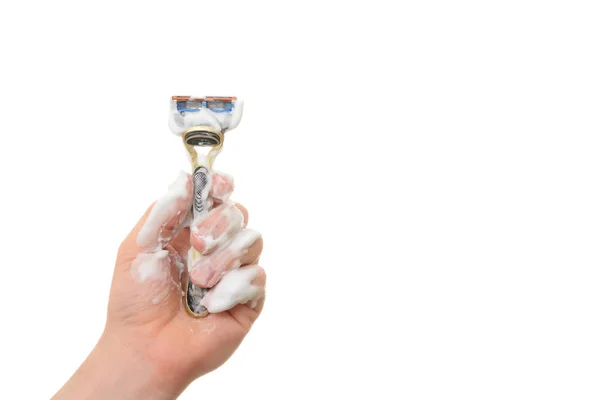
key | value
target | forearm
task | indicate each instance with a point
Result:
(113, 371)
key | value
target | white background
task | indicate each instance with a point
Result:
(425, 174)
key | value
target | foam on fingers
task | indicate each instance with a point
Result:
(242, 240)
(208, 270)
(216, 227)
(234, 288)
(167, 216)
(222, 186)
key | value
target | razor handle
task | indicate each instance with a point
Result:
(195, 293)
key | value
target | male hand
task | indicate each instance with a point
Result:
(153, 346)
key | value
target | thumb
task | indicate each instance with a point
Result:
(161, 222)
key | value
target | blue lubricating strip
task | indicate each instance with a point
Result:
(227, 107)
(182, 107)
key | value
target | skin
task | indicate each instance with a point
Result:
(151, 348)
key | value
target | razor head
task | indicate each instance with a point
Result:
(195, 104)
(202, 121)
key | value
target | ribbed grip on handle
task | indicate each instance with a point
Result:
(196, 293)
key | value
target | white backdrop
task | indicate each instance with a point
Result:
(425, 174)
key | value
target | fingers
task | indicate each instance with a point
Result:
(222, 186)
(226, 247)
(167, 217)
(244, 248)
(245, 285)
(218, 224)
(216, 227)
(247, 314)
(244, 213)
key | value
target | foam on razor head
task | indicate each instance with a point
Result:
(220, 113)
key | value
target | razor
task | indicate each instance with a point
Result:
(202, 122)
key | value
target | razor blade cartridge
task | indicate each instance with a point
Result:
(203, 120)
(215, 104)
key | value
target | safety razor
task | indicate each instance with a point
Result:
(202, 122)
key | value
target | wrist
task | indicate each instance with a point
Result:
(115, 370)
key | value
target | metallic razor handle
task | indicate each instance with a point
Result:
(196, 293)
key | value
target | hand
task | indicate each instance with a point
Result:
(148, 330)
